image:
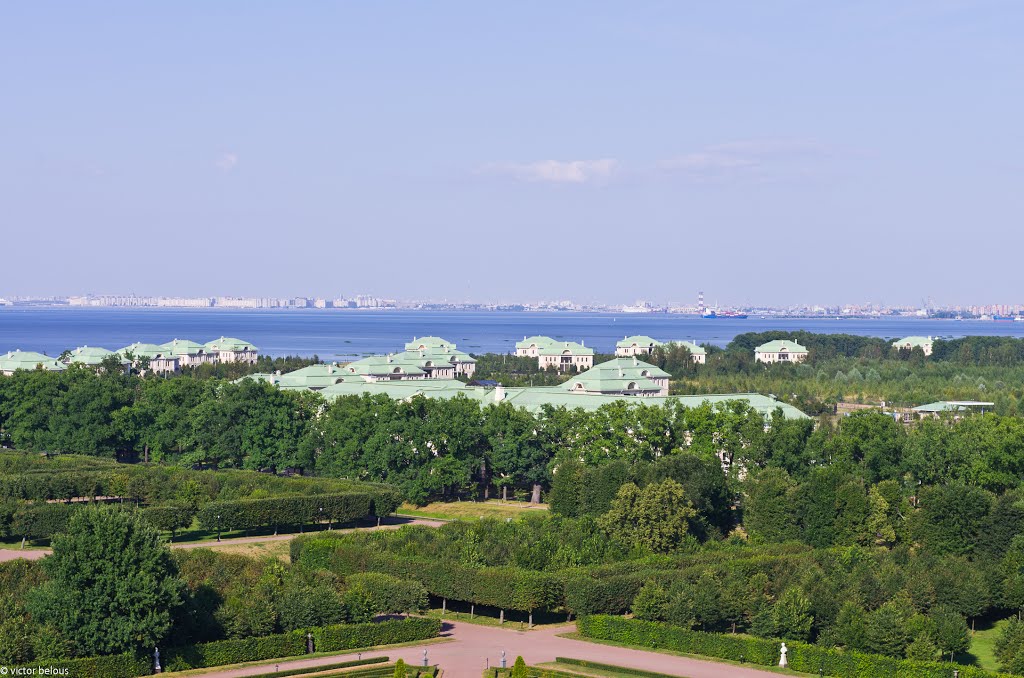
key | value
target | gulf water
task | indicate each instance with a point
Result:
(340, 334)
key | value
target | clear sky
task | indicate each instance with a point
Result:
(765, 152)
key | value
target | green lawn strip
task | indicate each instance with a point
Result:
(303, 657)
(759, 667)
(983, 646)
(488, 620)
(600, 671)
(327, 667)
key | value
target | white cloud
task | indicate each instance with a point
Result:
(556, 171)
(227, 161)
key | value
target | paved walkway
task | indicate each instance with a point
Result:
(473, 646)
(392, 524)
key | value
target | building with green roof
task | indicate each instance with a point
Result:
(232, 350)
(535, 399)
(780, 351)
(190, 353)
(422, 343)
(910, 343)
(12, 361)
(92, 356)
(621, 376)
(697, 353)
(160, 359)
(639, 344)
(560, 355)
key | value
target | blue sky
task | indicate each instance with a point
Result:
(774, 152)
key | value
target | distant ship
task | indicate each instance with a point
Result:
(1005, 318)
(735, 315)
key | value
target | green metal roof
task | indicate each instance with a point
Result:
(637, 340)
(691, 346)
(140, 350)
(951, 406)
(536, 340)
(28, 360)
(229, 344)
(563, 347)
(428, 342)
(184, 347)
(90, 355)
(617, 375)
(534, 399)
(781, 345)
(914, 341)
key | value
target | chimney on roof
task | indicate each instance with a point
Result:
(499, 393)
(635, 361)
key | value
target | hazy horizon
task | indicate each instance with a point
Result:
(795, 152)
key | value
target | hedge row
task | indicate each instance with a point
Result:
(325, 639)
(802, 656)
(110, 666)
(42, 521)
(509, 588)
(245, 514)
(223, 652)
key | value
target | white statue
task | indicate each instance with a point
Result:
(783, 662)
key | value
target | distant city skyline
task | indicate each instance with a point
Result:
(926, 308)
(768, 153)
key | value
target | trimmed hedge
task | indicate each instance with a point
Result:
(508, 588)
(41, 521)
(764, 651)
(169, 518)
(244, 514)
(236, 651)
(388, 632)
(293, 643)
(110, 666)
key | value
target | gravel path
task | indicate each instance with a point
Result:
(392, 524)
(472, 646)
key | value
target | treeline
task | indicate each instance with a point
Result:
(431, 448)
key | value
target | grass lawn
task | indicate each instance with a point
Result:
(258, 549)
(467, 510)
(585, 670)
(983, 645)
(489, 617)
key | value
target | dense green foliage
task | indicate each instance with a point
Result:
(112, 586)
(174, 496)
(801, 656)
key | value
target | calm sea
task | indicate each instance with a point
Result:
(334, 334)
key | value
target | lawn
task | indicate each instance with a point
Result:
(471, 510)
(983, 645)
(575, 670)
(488, 616)
(255, 549)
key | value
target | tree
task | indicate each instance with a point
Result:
(655, 518)
(888, 630)
(519, 668)
(400, 671)
(113, 585)
(949, 631)
(651, 603)
(791, 615)
(769, 511)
